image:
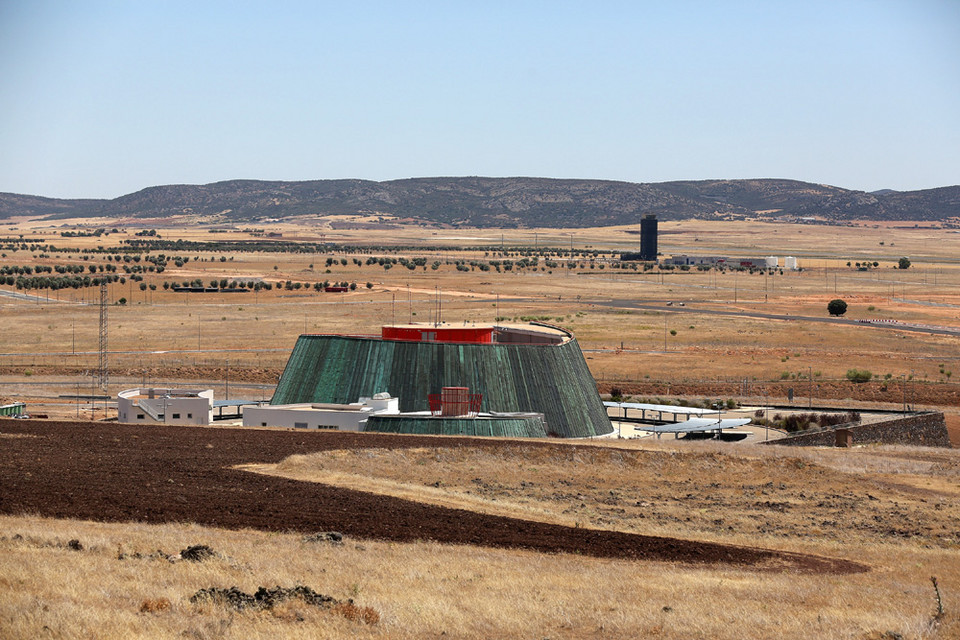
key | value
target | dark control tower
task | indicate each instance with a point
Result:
(648, 237)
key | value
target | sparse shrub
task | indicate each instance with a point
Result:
(798, 421)
(859, 375)
(154, 605)
(354, 613)
(197, 553)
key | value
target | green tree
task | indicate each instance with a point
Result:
(904, 263)
(837, 307)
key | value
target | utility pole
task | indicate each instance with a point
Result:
(810, 377)
(103, 334)
(903, 388)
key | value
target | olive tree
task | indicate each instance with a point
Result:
(837, 307)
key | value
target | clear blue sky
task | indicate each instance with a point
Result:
(102, 98)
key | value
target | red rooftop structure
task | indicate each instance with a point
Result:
(442, 333)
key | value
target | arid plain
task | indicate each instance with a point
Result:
(749, 336)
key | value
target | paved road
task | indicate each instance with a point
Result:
(632, 304)
(24, 297)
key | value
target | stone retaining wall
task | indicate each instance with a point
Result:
(924, 429)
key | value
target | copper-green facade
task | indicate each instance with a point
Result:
(504, 427)
(548, 379)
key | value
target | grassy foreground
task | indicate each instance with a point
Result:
(424, 589)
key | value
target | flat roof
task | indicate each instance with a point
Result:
(317, 406)
(695, 425)
(663, 408)
(507, 326)
(234, 403)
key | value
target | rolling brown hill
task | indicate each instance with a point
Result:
(504, 202)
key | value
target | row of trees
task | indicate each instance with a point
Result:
(903, 263)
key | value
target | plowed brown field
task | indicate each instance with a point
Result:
(111, 472)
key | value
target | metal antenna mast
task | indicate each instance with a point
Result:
(103, 334)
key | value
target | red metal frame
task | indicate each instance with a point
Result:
(436, 404)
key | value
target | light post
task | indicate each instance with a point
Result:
(912, 400)
(903, 389)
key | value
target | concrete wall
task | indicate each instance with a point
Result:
(304, 416)
(925, 429)
(319, 416)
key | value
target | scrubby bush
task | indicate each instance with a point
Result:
(859, 375)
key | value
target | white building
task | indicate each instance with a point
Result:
(685, 260)
(341, 417)
(165, 406)
(790, 263)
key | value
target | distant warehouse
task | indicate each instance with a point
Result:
(768, 262)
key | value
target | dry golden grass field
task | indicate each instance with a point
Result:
(894, 509)
(620, 317)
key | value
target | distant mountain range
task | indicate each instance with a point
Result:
(504, 202)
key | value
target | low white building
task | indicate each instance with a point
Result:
(165, 406)
(341, 417)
